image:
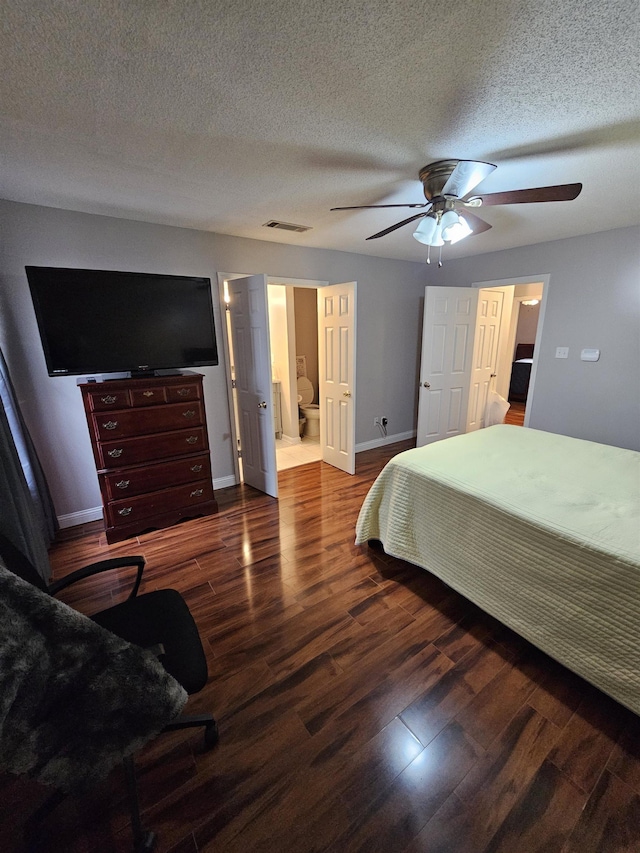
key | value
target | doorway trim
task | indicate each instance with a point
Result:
(527, 279)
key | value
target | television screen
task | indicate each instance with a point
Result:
(101, 321)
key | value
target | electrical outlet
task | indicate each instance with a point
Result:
(376, 421)
(384, 421)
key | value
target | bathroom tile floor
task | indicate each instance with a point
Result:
(289, 456)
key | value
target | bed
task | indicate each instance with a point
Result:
(521, 373)
(539, 530)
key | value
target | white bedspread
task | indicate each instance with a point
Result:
(540, 530)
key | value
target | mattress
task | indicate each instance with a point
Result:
(540, 530)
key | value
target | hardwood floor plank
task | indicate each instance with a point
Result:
(408, 653)
(543, 818)
(488, 713)
(559, 694)
(228, 786)
(587, 741)
(610, 822)
(335, 775)
(398, 814)
(625, 758)
(495, 783)
(437, 706)
(450, 830)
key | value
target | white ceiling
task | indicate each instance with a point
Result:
(223, 115)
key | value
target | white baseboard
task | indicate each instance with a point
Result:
(84, 516)
(290, 441)
(382, 441)
(224, 482)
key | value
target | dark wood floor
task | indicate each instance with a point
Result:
(515, 415)
(363, 706)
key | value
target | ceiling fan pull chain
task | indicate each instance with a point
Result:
(428, 254)
(440, 257)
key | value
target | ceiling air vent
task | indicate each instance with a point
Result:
(286, 226)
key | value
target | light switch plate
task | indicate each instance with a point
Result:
(562, 352)
(590, 354)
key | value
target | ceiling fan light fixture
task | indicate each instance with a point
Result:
(449, 218)
(426, 230)
(457, 231)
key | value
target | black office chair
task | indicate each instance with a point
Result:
(158, 620)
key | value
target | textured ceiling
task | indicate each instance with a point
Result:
(223, 115)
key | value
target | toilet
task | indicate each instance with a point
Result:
(310, 411)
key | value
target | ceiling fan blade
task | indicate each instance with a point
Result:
(466, 175)
(561, 192)
(397, 225)
(371, 206)
(476, 224)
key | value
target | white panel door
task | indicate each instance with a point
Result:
(250, 337)
(447, 346)
(336, 345)
(485, 354)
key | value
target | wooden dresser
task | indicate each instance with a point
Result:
(149, 439)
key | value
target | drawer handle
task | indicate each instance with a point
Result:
(114, 454)
(109, 399)
(110, 424)
(189, 414)
(183, 392)
(123, 484)
(147, 393)
(196, 493)
(196, 468)
(192, 439)
(125, 510)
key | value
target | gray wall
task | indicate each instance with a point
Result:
(593, 300)
(389, 298)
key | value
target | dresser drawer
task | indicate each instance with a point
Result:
(151, 448)
(102, 401)
(146, 421)
(148, 396)
(145, 506)
(180, 393)
(151, 478)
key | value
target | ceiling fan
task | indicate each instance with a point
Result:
(447, 186)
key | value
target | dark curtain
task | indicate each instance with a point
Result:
(27, 516)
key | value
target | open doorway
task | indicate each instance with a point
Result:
(468, 351)
(526, 315)
(264, 407)
(293, 333)
(519, 333)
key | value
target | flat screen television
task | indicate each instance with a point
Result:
(102, 321)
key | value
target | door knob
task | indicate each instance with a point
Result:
(262, 405)
(426, 385)
(346, 393)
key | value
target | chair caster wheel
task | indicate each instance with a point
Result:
(211, 735)
(146, 842)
